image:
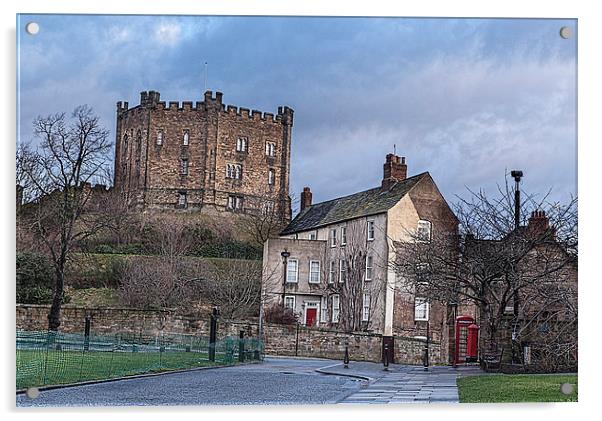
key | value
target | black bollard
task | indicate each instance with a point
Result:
(386, 358)
(346, 357)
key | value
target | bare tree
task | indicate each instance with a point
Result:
(494, 266)
(55, 175)
(234, 286)
(359, 294)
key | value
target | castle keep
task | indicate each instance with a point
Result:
(203, 156)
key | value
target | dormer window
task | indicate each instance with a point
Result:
(241, 144)
(186, 138)
(423, 232)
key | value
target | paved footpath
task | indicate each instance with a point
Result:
(403, 383)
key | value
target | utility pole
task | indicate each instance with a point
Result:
(517, 175)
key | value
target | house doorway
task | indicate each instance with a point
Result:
(311, 313)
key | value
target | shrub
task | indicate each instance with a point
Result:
(35, 279)
(280, 315)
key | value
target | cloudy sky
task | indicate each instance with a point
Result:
(465, 99)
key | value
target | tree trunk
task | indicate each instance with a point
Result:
(54, 317)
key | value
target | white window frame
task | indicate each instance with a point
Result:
(184, 166)
(271, 176)
(342, 270)
(366, 303)
(332, 272)
(324, 309)
(234, 202)
(313, 272)
(336, 310)
(234, 171)
(186, 137)
(343, 236)
(429, 230)
(369, 268)
(333, 237)
(182, 199)
(160, 137)
(270, 149)
(289, 280)
(418, 303)
(370, 229)
(241, 144)
(288, 298)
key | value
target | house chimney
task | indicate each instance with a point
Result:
(539, 224)
(394, 170)
(305, 198)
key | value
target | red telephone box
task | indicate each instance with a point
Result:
(472, 343)
(462, 324)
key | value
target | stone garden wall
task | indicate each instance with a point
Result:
(286, 340)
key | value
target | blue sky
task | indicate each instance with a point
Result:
(465, 99)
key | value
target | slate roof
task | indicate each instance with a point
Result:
(365, 203)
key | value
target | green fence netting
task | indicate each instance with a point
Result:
(49, 358)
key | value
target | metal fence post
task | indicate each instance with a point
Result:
(241, 346)
(87, 333)
(213, 334)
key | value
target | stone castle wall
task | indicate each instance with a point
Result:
(149, 173)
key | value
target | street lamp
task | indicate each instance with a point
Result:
(285, 255)
(517, 175)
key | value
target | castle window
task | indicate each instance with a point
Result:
(423, 231)
(159, 137)
(271, 176)
(268, 208)
(182, 199)
(125, 144)
(234, 171)
(234, 203)
(184, 167)
(241, 144)
(270, 148)
(186, 138)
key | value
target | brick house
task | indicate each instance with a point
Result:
(331, 264)
(204, 156)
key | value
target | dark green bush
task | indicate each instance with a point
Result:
(35, 278)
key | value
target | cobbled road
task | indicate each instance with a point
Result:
(275, 381)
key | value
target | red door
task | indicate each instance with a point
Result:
(310, 316)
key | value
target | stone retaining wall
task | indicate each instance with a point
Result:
(289, 340)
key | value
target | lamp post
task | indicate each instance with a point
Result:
(285, 255)
(517, 175)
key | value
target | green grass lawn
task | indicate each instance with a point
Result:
(516, 388)
(38, 368)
